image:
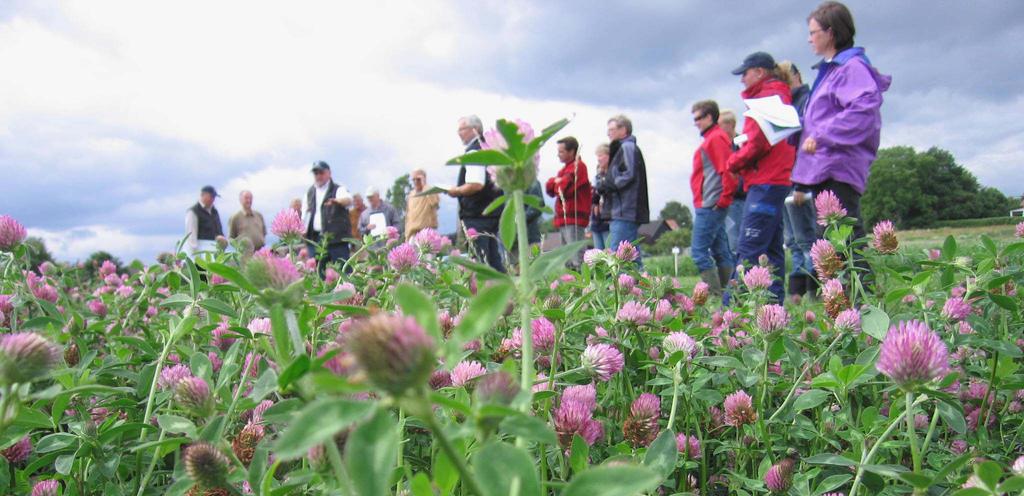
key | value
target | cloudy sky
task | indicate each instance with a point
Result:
(114, 113)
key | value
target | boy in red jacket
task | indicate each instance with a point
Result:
(766, 170)
(713, 186)
(572, 193)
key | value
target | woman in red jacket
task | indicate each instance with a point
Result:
(572, 192)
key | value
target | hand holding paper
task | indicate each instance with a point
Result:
(776, 119)
(379, 223)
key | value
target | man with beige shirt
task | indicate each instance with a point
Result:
(421, 211)
(247, 223)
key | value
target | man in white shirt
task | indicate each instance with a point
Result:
(327, 220)
(475, 192)
(202, 223)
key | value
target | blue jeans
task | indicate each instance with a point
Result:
(336, 252)
(761, 232)
(624, 230)
(709, 246)
(800, 223)
(732, 229)
(600, 239)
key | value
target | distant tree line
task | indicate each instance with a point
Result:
(917, 189)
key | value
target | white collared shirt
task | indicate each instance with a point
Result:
(475, 173)
(192, 227)
(319, 194)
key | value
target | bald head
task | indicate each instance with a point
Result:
(245, 198)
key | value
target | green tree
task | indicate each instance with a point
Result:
(399, 191)
(914, 189)
(37, 252)
(663, 246)
(677, 212)
(96, 259)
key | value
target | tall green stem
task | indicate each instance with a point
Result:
(334, 455)
(523, 287)
(427, 415)
(797, 382)
(866, 460)
(931, 430)
(912, 433)
(175, 333)
(983, 419)
(676, 377)
(5, 404)
(238, 393)
(764, 379)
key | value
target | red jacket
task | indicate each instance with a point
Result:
(572, 184)
(712, 184)
(757, 161)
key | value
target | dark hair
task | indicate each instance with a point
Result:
(835, 17)
(570, 143)
(707, 107)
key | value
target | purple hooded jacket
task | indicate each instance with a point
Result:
(843, 115)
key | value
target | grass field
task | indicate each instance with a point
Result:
(913, 240)
(923, 239)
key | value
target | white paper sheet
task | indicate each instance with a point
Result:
(776, 119)
(380, 224)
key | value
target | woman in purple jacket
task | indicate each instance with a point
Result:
(842, 121)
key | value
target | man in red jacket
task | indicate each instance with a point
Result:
(713, 186)
(765, 169)
(572, 193)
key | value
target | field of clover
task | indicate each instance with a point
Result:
(415, 371)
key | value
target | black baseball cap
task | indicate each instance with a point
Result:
(209, 189)
(320, 165)
(756, 59)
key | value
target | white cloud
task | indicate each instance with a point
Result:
(79, 243)
(112, 88)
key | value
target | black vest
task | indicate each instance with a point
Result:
(208, 223)
(473, 206)
(334, 219)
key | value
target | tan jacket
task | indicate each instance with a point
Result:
(421, 212)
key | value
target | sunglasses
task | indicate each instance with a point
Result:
(699, 117)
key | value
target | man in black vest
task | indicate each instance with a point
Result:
(202, 223)
(475, 191)
(327, 217)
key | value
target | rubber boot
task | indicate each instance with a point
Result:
(710, 277)
(725, 275)
(812, 288)
(797, 284)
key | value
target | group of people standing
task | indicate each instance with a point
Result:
(841, 125)
(614, 205)
(752, 197)
(331, 218)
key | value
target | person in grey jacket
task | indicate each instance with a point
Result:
(625, 185)
(377, 206)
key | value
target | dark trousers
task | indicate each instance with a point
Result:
(336, 252)
(486, 244)
(761, 231)
(850, 199)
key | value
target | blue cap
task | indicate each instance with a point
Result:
(756, 59)
(320, 165)
(209, 189)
